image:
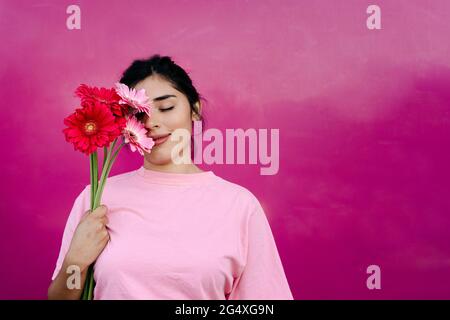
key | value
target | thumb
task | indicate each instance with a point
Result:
(100, 211)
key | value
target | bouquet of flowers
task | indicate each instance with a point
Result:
(106, 116)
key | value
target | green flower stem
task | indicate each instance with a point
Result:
(93, 161)
(88, 287)
(90, 292)
(96, 194)
(95, 167)
(104, 176)
(105, 172)
(114, 158)
(105, 151)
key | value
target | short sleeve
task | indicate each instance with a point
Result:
(80, 206)
(263, 276)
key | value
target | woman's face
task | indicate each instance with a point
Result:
(170, 111)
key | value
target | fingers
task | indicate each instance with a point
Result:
(102, 230)
(105, 234)
(99, 216)
(85, 214)
(104, 220)
(100, 211)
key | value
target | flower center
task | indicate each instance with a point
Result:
(90, 128)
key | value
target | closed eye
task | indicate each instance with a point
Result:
(167, 109)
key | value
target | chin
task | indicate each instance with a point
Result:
(159, 158)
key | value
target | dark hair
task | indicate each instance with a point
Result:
(165, 67)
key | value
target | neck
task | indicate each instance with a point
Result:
(172, 167)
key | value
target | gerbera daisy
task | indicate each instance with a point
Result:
(136, 135)
(106, 96)
(136, 99)
(91, 127)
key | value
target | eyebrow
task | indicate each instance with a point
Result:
(164, 97)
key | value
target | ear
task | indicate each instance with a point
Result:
(198, 107)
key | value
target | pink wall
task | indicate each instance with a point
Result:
(364, 119)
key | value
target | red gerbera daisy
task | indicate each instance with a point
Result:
(92, 127)
(106, 96)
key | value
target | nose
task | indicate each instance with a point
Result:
(151, 122)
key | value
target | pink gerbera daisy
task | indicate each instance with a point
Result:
(136, 99)
(136, 135)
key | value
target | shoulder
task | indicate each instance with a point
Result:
(113, 181)
(239, 193)
(117, 178)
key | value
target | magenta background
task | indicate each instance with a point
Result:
(363, 116)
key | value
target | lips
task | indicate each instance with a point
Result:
(158, 139)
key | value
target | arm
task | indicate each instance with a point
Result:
(59, 290)
(263, 276)
(88, 242)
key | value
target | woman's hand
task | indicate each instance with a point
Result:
(89, 239)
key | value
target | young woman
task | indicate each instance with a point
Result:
(169, 230)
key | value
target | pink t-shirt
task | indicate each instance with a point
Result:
(182, 236)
